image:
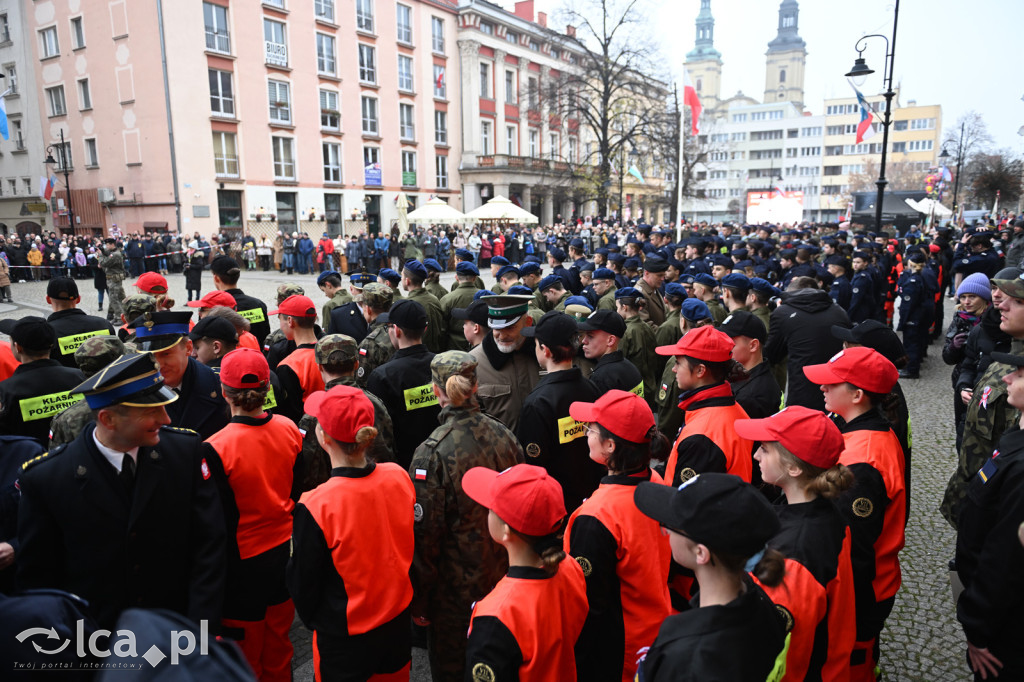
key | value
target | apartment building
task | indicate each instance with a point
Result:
(286, 115)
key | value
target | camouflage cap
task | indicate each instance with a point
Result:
(138, 304)
(331, 344)
(1011, 287)
(97, 352)
(448, 364)
(378, 296)
(286, 290)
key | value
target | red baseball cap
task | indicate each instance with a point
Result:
(213, 299)
(623, 413)
(807, 433)
(861, 366)
(296, 305)
(341, 411)
(524, 496)
(152, 283)
(703, 343)
(244, 368)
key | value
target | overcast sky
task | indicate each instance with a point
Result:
(962, 55)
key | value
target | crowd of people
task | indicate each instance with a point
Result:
(708, 424)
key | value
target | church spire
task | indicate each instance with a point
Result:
(788, 37)
(704, 47)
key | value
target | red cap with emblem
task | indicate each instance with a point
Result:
(296, 305)
(861, 366)
(152, 283)
(524, 496)
(807, 433)
(213, 299)
(623, 413)
(341, 411)
(704, 343)
(244, 368)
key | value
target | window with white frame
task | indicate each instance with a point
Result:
(222, 96)
(215, 18)
(16, 134)
(408, 168)
(920, 145)
(77, 33)
(48, 45)
(441, 170)
(485, 80)
(324, 9)
(533, 142)
(55, 100)
(510, 86)
(275, 3)
(92, 159)
(84, 95)
(552, 145)
(487, 28)
(485, 137)
(284, 158)
(330, 110)
(440, 82)
(404, 73)
(573, 145)
(332, 162)
(367, 63)
(5, 29)
(275, 43)
(406, 122)
(364, 15)
(280, 99)
(532, 90)
(371, 157)
(437, 34)
(326, 62)
(12, 77)
(371, 123)
(225, 155)
(440, 127)
(511, 138)
(512, 37)
(403, 17)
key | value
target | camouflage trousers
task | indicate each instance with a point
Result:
(115, 295)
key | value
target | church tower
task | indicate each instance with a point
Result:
(786, 57)
(704, 62)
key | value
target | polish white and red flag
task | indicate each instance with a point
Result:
(865, 129)
(691, 100)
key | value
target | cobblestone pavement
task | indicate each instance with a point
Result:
(922, 640)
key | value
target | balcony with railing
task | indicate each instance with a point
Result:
(525, 163)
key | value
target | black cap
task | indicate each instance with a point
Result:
(476, 311)
(211, 327)
(603, 320)
(875, 335)
(553, 329)
(160, 330)
(653, 264)
(32, 333)
(406, 314)
(132, 380)
(223, 265)
(717, 510)
(62, 289)
(744, 323)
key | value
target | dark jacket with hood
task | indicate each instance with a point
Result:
(982, 340)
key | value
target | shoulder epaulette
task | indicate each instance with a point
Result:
(178, 429)
(43, 457)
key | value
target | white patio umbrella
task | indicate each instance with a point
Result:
(402, 203)
(500, 208)
(930, 207)
(436, 212)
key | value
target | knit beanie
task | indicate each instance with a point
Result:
(976, 284)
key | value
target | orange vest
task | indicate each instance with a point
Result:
(302, 361)
(882, 451)
(367, 522)
(716, 423)
(247, 340)
(545, 615)
(258, 460)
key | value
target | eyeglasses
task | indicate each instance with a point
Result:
(593, 430)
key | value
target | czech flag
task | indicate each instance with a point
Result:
(691, 100)
(865, 131)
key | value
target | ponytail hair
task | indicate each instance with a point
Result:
(829, 482)
(460, 389)
(364, 438)
(769, 565)
(550, 547)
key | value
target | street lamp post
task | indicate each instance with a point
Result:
(622, 174)
(959, 160)
(51, 162)
(861, 69)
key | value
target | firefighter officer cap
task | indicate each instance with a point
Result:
(132, 380)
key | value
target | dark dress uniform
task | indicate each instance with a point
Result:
(863, 301)
(759, 395)
(73, 326)
(348, 320)
(614, 371)
(405, 387)
(554, 440)
(157, 544)
(254, 310)
(914, 316)
(841, 292)
(34, 395)
(202, 407)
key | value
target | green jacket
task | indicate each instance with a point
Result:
(460, 297)
(340, 298)
(638, 345)
(436, 336)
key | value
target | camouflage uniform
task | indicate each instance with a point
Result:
(638, 345)
(988, 417)
(435, 338)
(376, 348)
(112, 264)
(340, 298)
(94, 354)
(283, 292)
(315, 461)
(455, 563)
(134, 306)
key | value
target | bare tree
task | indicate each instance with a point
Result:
(612, 91)
(968, 136)
(902, 176)
(991, 173)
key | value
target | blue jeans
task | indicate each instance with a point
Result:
(289, 261)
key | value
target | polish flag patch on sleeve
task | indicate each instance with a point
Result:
(204, 468)
(362, 351)
(421, 474)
